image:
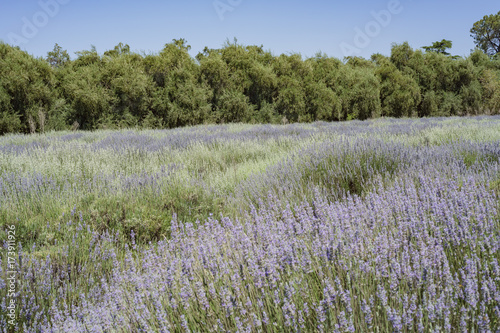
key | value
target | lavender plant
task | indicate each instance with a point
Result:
(377, 226)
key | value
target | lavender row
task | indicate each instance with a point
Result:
(341, 166)
(419, 255)
(12, 186)
(159, 140)
(348, 166)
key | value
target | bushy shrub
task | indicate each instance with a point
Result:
(237, 83)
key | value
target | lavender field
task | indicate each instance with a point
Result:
(376, 226)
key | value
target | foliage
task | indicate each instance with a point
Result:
(26, 88)
(386, 225)
(486, 34)
(439, 47)
(399, 93)
(490, 81)
(236, 83)
(58, 57)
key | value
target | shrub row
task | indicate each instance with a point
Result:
(235, 83)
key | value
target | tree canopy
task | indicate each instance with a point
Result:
(237, 83)
(486, 34)
(439, 47)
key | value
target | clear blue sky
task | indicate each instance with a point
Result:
(334, 27)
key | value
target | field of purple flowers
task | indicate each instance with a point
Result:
(375, 226)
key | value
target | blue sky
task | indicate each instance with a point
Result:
(337, 28)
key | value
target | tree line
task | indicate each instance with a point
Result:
(238, 83)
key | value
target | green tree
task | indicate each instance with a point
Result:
(91, 101)
(214, 72)
(486, 34)
(290, 100)
(85, 85)
(236, 71)
(178, 97)
(399, 93)
(293, 75)
(359, 93)
(123, 75)
(10, 121)
(26, 91)
(326, 69)
(479, 58)
(430, 104)
(472, 97)
(234, 106)
(321, 89)
(439, 47)
(57, 57)
(87, 57)
(359, 62)
(401, 55)
(451, 104)
(490, 82)
(321, 102)
(119, 50)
